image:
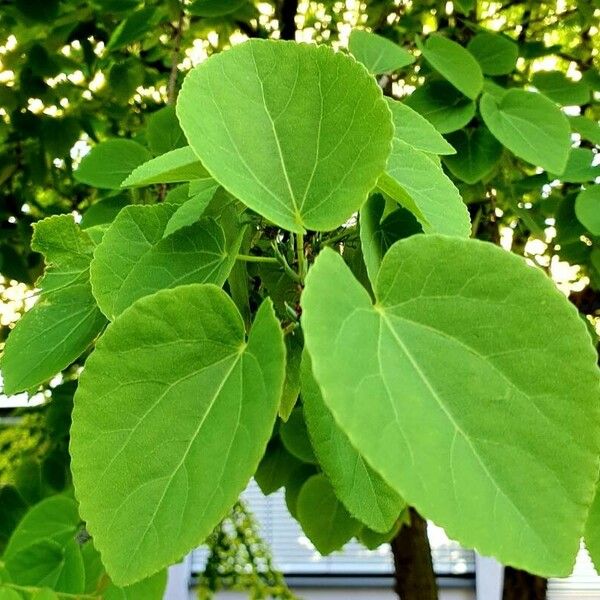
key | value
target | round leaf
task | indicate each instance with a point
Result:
(277, 132)
(377, 53)
(442, 105)
(587, 208)
(496, 54)
(295, 438)
(172, 416)
(459, 398)
(558, 87)
(110, 162)
(323, 518)
(454, 63)
(530, 126)
(477, 153)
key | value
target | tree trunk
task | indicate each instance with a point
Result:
(415, 579)
(287, 19)
(520, 585)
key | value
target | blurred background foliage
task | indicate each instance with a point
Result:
(74, 73)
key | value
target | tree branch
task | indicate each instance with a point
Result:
(175, 57)
(286, 15)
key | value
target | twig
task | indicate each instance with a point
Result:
(175, 57)
(257, 259)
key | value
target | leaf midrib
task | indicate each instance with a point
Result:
(386, 320)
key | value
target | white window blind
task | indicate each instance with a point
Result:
(294, 554)
(584, 583)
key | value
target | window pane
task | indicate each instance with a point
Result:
(294, 555)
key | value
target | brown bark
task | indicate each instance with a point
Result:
(413, 566)
(520, 585)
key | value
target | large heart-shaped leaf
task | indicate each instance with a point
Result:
(530, 126)
(172, 415)
(298, 133)
(459, 397)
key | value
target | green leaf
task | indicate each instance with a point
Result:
(110, 162)
(592, 531)
(465, 6)
(366, 496)
(193, 208)
(65, 320)
(45, 563)
(55, 518)
(7, 593)
(378, 234)
(152, 588)
(104, 211)
(448, 350)
(173, 167)
(586, 128)
(59, 135)
(133, 233)
(478, 152)
(560, 88)
(14, 506)
(67, 252)
(530, 126)
(374, 539)
(124, 78)
(45, 594)
(177, 357)
(38, 10)
(495, 53)
(215, 8)
(95, 575)
(291, 386)
(133, 28)
(294, 484)
(134, 259)
(377, 53)
(275, 468)
(580, 167)
(417, 131)
(442, 105)
(294, 435)
(418, 184)
(163, 131)
(587, 208)
(453, 63)
(286, 158)
(323, 517)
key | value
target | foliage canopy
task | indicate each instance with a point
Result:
(276, 275)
